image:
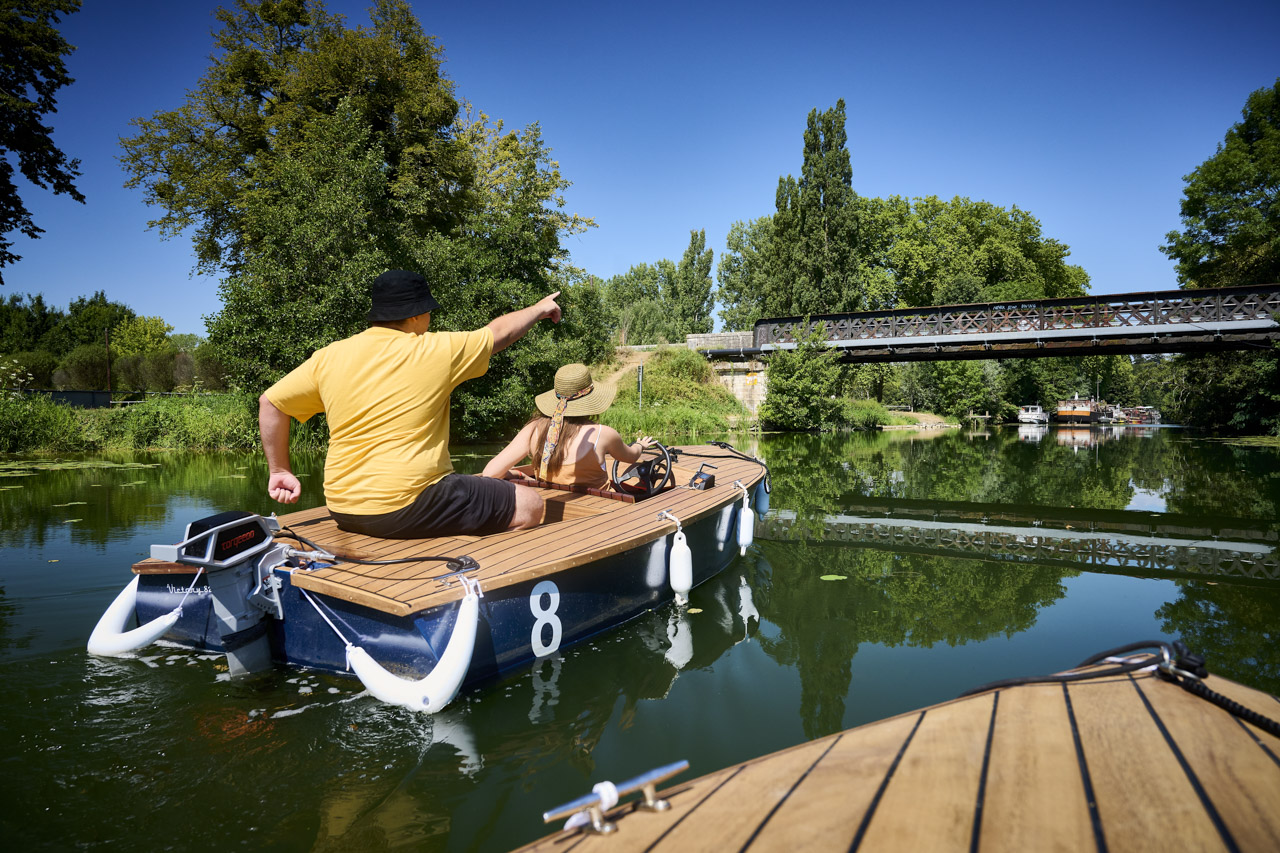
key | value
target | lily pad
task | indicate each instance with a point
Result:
(695, 609)
(72, 520)
(834, 578)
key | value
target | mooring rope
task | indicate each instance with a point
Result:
(312, 601)
(191, 588)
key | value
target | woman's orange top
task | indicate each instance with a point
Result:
(584, 471)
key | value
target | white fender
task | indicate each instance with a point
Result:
(109, 639)
(746, 604)
(439, 686)
(680, 635)
(746, 524)
(681, 566)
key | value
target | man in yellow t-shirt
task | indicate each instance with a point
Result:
(386, 394)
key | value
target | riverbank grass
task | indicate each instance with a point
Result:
(36, 424)
(681, 396)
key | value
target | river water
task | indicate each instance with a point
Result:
(904, 568)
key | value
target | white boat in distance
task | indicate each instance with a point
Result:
(1032, 415)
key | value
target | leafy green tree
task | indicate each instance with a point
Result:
(959, 251)
(186, 342)
(140, 335)
(31, 72)
(812, 259)
(27, 323)
(804, 385)
(958, 388)
(1239, 391)
(38, 365)
(83, 369)
(348, 155)
(232, 151)
(664, 301)
(1231, 236)
(898, 253)
(741, 274)
(87, 321)
(1230, 205)
(688, 292)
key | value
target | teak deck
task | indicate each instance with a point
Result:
(576, 529)
(1121, 764)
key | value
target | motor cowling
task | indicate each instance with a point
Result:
(226, 546)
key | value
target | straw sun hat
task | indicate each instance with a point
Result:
(574, 379)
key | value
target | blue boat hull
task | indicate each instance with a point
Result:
(519, 624)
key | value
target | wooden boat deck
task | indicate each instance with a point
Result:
(1126, 763)
(576, 529)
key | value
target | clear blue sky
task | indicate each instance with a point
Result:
(676, 116)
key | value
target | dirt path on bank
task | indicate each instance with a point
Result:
(630, 358)
(923, 418)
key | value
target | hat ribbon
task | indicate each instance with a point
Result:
(557, 426)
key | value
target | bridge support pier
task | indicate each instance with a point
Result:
(744, 377)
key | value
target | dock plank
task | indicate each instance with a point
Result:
(1135, 775)
(942, 765)
(1241, 781)
(850, 772)
(852, 796)
(729, 818)
(1033, 799)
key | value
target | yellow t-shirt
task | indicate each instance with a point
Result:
(386, 394)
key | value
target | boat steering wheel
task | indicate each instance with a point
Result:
(647, 477)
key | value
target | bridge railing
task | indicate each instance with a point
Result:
(1110, 311)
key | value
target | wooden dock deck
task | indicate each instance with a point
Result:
(576, 529)
(1126, 763)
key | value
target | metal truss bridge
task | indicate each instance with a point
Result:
(1156, 322)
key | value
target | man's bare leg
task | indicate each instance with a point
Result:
(529, 507)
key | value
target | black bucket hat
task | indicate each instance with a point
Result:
(399, 295)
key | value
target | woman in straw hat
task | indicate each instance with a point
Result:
(565, 441)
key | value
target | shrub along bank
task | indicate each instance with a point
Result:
(36, 424)
(681, 397)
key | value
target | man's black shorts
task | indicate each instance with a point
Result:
(459, 504)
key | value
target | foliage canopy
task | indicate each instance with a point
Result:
(31, 72)
(310, 157)
(1231, 204)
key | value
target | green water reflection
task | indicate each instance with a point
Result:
(976, 557)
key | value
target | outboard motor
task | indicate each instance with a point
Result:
(226, 545)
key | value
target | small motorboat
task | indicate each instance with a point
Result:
(417, 620)
(1132, 750)
(1033, 414)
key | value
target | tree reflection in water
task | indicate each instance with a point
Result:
(893, 597)
(887, 599)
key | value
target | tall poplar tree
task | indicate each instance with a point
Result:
(689, 289)
(812, 267)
